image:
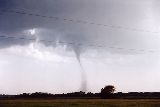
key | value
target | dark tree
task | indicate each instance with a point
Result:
(107, 91)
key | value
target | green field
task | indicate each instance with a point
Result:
(80, 103)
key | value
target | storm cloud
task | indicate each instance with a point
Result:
(127, 15)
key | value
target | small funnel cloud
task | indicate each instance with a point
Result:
(83, 73)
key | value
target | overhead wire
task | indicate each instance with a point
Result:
(77, 21)
(78, 44)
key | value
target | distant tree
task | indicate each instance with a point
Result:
(107, 91)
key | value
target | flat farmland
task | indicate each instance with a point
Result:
(80, 103)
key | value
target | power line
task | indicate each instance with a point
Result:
(78, 44)
(78, 21)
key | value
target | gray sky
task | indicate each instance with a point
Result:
(132, 31)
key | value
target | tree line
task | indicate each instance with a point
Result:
(108, 92)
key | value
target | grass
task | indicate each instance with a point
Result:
(81, 103)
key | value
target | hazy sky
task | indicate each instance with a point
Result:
(116, 38)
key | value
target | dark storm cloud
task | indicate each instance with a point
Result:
(128, 14)
(5, 3)
(14, 24)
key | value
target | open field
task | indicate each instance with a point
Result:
(81, 103)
